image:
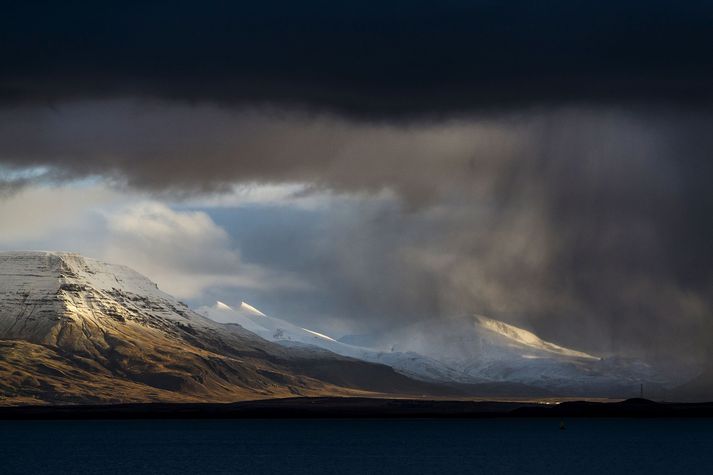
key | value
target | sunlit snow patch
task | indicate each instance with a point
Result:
(320, 335)
(529, 339)
(249, 308)
(221, 306)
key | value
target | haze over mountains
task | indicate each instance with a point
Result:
(76, 330)
(472, 349)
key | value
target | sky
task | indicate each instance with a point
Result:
(357, 166)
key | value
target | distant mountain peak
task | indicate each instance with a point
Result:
(249, 308)
(528, 339)
(222, 306)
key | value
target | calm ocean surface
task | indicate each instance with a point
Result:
(603, 446)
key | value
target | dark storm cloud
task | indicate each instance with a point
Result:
(165, 146)
(379, 59)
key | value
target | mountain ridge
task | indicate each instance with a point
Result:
(74, 329)
(468, 350)
(78, 330)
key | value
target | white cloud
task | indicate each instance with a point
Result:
(52, 216)
(185, 252)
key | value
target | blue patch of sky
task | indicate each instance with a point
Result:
(281, 238)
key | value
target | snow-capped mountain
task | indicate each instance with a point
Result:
(74, 329)
(472, 349)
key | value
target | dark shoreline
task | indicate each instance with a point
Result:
(354, 408)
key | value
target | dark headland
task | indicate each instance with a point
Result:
(340, 407)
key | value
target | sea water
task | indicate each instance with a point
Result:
(372, 446)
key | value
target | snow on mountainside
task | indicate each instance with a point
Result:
(74, 329)
(41, 289)
(528, 340)
(287, 334)
(474, 349)
(486, 349)
(257, 322)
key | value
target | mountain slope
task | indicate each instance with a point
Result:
(74, 329)
(292, 336)
(486, 349)
(467, 350)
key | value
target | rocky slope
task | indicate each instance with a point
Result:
(76, 330)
